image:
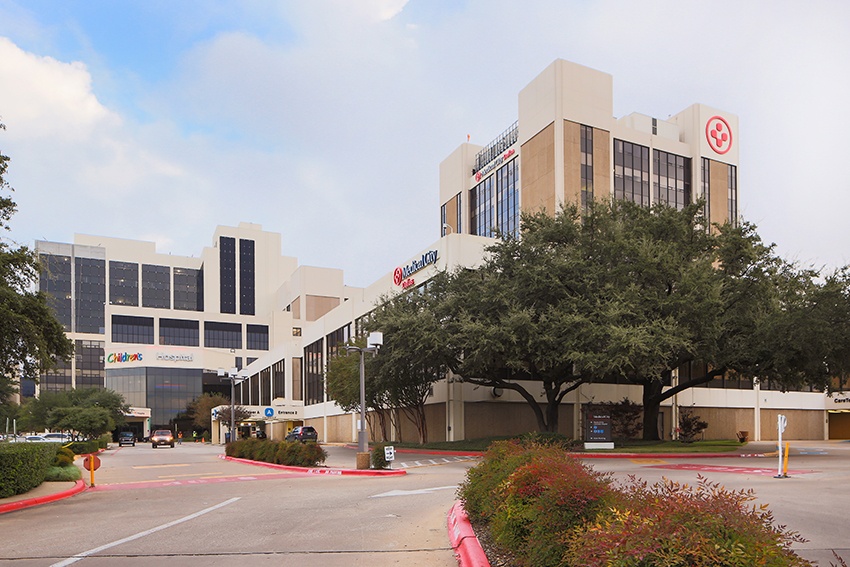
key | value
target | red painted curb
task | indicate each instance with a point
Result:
(468, 550)
(21, 504)
(663, 455)
(319, 470)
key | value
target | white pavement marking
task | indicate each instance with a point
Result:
(84, 554)
(412, 492)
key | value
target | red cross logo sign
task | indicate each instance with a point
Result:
(719, 134)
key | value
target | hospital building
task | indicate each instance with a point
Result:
(160, 329)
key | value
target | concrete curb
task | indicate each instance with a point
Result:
(463, 540)
(21, 504)
(319, 470)
(664, 455)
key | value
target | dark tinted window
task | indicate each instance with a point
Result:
(55, 281)
(227, 257)
(188, 289)
(246, 278)
(137, 330)
(123, 283)
(179, 332)
(222, 335)
(156, 286)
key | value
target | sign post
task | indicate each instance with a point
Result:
(389, 454)
(781, 423)
(597, 434)
(91, 463)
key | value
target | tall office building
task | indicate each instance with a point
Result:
(159, 328)
(567, 147)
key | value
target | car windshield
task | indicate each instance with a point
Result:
(162, 432)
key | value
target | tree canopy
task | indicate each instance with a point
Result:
(90, 412)
(31, 338)
(624, 292)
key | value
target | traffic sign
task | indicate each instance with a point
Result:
(389, 453)
(89, 460)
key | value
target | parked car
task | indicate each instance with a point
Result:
(57, 437)
(162, 437)
(302, 433)
(36, 439)
(127, 438)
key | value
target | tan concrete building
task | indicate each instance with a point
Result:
(242, 306)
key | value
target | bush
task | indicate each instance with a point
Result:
(85, 447)
(288, 453)
(64, 457)
(62, 474)
(378, 457)
(690, 425)
(676, 525)
(543, 499)
(23, 466)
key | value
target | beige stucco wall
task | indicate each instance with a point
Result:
(724, 423)
(572, 163)
(488, 419)
(719, 187)
(538, 172)
(802, 424)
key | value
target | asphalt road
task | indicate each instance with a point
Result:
(813, 500)
(186, 507)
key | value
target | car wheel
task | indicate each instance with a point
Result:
(172, 445)
(153, 445)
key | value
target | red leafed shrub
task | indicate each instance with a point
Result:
(677, 525)
(544, 499)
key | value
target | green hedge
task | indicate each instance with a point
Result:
(23, 466)
(540, 507)
(290, 453)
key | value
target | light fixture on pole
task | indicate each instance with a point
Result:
(373, 343)
(231, 375)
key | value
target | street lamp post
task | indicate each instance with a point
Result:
(231, 375)
(373, 343)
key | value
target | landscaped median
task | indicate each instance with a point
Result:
(292, 456)
(538, 505)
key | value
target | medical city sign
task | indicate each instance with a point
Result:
(401, 275)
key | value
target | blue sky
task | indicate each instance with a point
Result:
(326, 120)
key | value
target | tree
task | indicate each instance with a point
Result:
(635, 293)
(31, 338)
(88, 411)
(343, 384)
(200, 410)
(416, 351)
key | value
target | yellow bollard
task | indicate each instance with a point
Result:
(785, 465)
(91, 468)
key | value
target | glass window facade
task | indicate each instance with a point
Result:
(671, 179)
(481, 215)
(279, 379)
(58, 378)
(179, 332)
(507, 199)
(258, 337)
(494, 203)
(90, 295)
(222, 335)
(227, 257)
(732, 188)
(130, 383)
(55, 280)
(169, 390)
(705, 193)
(156, 286)
(631, 172)
(188, 289)
(89, 364)
(136, 330)
(123, 283)
(336, 340)
(247, 286)
(586, 166)
(313, 374)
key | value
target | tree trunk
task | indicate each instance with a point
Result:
(651, 409)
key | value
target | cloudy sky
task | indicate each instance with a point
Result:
(326, 120)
